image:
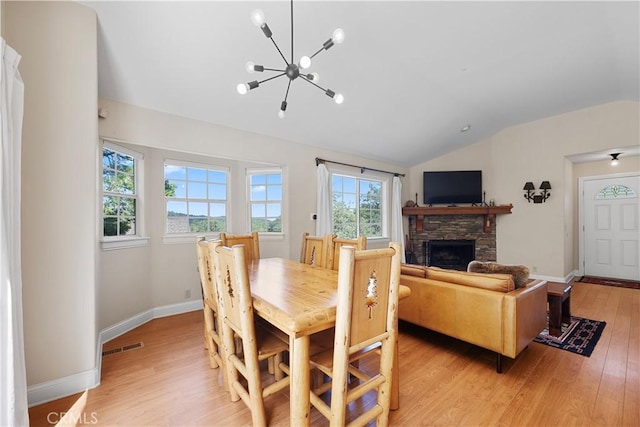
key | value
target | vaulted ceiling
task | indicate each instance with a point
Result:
(412, 73)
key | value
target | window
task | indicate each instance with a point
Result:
(357, 206)
(265, 198)
(616, 191)
(196, 198)
(120, 195)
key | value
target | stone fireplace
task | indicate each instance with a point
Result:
(438, 229)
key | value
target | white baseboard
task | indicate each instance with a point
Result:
(61, 387)
(77, 383)
(183, 307)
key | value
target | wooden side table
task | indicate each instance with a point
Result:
(559, 299)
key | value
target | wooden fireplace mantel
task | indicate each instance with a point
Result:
(489, 213)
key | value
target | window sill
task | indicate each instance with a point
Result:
(124, 243)
(180, 239)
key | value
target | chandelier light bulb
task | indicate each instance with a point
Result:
(283, 108)
(305, 62)
(614, 162)
(338, 36)
(242, 88)
(338, 98)
(250, 67)
(257, 17)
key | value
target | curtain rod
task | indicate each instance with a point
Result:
(362, 168)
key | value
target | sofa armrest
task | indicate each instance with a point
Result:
(524, 316)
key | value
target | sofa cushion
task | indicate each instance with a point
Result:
(493, 282)
(520, 273)
(413, 270)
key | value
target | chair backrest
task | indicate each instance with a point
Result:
(359, 244)
(315, 249)
(368, 285)
(232, 285)
(205, 268)
(250, 241)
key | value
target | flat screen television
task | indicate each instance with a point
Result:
(452, 187)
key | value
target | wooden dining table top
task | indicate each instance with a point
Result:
(298, 298)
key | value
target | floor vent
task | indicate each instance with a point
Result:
(122, 349)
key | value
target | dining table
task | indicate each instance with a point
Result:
(300, 300)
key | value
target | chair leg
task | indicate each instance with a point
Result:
(209, 344)
(275, 362)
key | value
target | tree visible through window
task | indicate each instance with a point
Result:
(119, 201)
(196, 198)
(356, 206)
(265, 194)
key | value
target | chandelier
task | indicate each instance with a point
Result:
(291, 70)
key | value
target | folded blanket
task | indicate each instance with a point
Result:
(520, 273)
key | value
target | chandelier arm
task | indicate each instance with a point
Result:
(279, 51)
(291, 35)
(309, 81)
(319, 50)
(271, 78)
(274, 69)
(286, 95)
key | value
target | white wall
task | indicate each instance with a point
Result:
(541, 236)
(59, 195)
(161, 272)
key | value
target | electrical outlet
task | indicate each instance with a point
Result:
(313, 217)
(187, 294)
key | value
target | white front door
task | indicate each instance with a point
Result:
(611, 231)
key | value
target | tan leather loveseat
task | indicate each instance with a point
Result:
(482, 309)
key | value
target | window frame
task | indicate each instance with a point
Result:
(188, 237)
(385, 197)
(249, 172)
(139, 238)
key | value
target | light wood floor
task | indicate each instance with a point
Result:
(168, 381)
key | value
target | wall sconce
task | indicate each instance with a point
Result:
(545, 186)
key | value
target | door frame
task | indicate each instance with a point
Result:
(581, 229)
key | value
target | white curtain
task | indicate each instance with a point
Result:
(13, 388)
(397, 233)
(324, 221)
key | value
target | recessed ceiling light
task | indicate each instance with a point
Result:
(465, 128)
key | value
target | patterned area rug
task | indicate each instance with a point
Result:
(580, 336)
(609, 282)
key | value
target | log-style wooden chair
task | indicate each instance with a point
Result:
(333, 261)
(315, 249)
(366, 325)
(250, 241)
(258, 342)
(212, 339)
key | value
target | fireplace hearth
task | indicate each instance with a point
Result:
(450, 254)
